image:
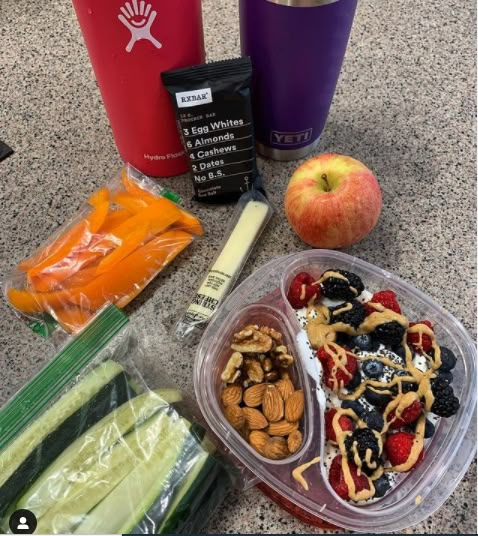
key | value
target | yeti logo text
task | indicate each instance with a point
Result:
(186, 99)
(138, 18)
(291, 138)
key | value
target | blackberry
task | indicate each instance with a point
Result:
(364, 439)
(373, 419)
(339, 289)
(353, 317)
(446, 403)
(381, 485)
(354, 382)
(342, 339)
(372, 369)
(377, 399)
(354, 405)
(389, 333)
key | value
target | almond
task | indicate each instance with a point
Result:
(254, 395)
(258, 440)
(272, 404)
(282, 428)
(235, 416)
(276, 448)
(254, 418)
(232, 395)
(294, 407)
(294, 441)
(286, 388)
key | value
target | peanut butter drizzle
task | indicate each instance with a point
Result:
(341, 435)
(297, 472)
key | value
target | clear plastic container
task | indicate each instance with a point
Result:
(262, 298)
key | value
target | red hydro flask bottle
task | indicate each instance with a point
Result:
(130, 43)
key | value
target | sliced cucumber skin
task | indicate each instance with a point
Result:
(212, 499)
(121, 510)
(66, 513)
(108, 398)
(191, 455)
(82, 454)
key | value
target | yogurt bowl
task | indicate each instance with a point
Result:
(262, 299)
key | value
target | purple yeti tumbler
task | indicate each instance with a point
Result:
(297, 48)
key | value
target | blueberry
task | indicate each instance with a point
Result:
(381, 485)
(362, 343)
(373, 419)
(377, 399)
(429, 429)
(372, 368)
(354, 405)
(354, 382)
(447, 376)
(448, 359)
(400, 351)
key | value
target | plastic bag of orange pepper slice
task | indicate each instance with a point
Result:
(125, 234)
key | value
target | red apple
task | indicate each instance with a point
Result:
(333, 201)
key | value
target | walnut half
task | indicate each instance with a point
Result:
(232, 371)
(252, 341)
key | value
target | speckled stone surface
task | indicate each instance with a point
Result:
(404, 106)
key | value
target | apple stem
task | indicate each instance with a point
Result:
(326, 180)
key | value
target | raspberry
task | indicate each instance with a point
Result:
(409, 415)
(334, 377)
(413, 339)
(345, 422)
(337, 479)
(398, 447)
(302, 290)
(387, 298)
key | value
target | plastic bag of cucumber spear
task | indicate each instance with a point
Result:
(100, 443)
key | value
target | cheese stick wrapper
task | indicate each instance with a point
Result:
(249, 219)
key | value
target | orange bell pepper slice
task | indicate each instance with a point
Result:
(61, 264)
(127, 279)
(121, 284)
(99, 196)
(187, 222)
(134, 189)
(72, 318)
(129, 202)
(114, 219)
(130, 243)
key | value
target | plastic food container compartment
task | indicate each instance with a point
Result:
(262, 299)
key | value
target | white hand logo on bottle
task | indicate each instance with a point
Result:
(138, 19)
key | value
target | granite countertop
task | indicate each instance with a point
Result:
(405, 106)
